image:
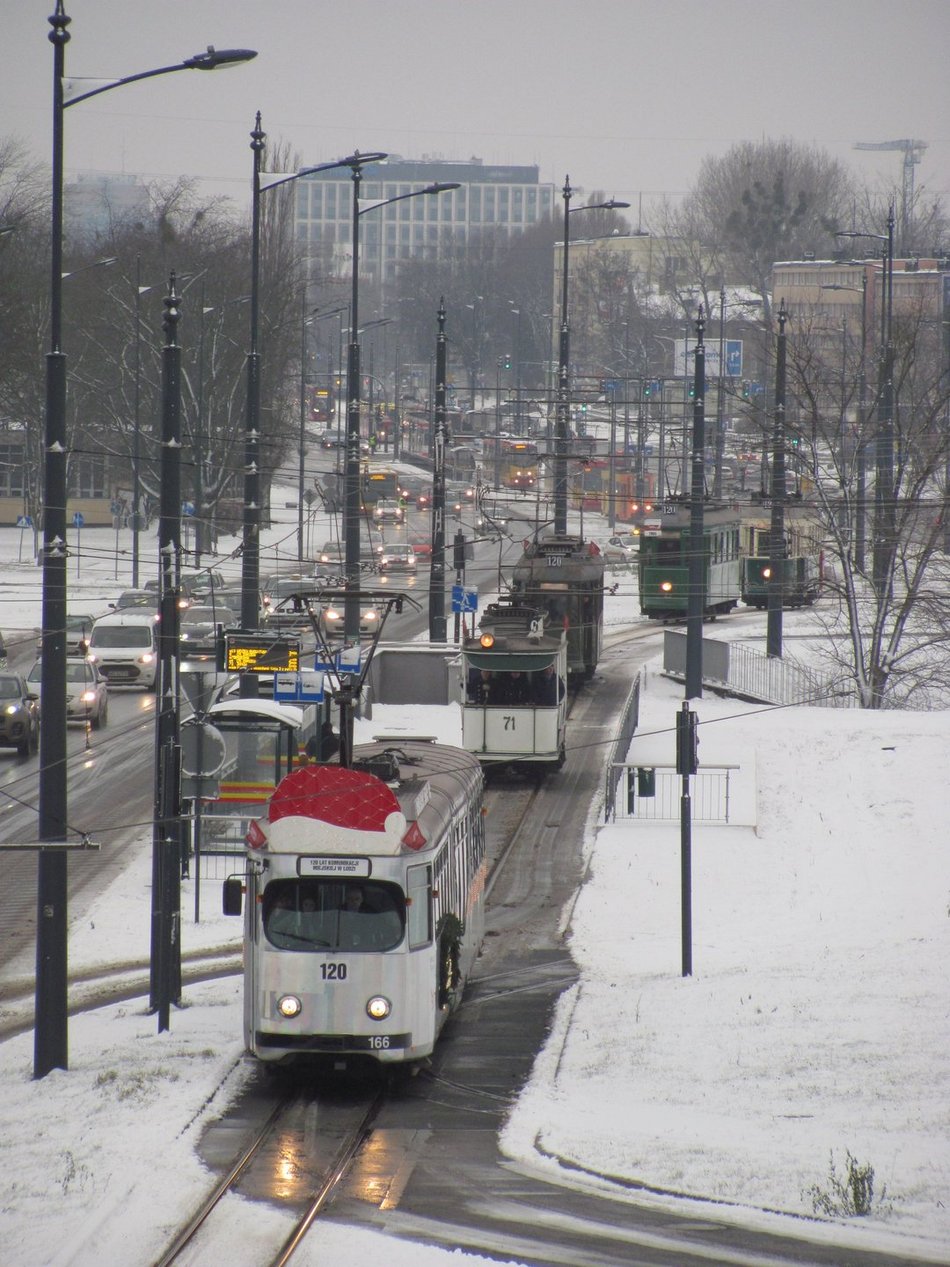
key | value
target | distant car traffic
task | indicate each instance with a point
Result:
(198, 629)
(620, 550)
(331, 553)
(333, 440)
(333, 618)
(388, 510)
(87, 693)
(19, 715)
(397, 557)
(134, 598)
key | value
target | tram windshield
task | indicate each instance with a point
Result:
(312, 914)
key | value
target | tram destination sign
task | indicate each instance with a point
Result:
(261, 653)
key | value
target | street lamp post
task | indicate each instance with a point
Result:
(140, 290)
(437, 626)
(165, 977)
(250, 542)
(885, 510)
(351, 610)
(562, 420)
(306, 320)
(694, 601)
(860, 457)
(50, 1035)
(773, 640)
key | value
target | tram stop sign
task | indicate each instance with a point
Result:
(203, 751)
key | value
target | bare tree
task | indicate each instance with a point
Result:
(890, 633)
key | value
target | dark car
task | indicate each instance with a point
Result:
(19, 715)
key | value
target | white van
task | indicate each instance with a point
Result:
(124, 647)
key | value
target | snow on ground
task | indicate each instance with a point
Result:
(815, 1023)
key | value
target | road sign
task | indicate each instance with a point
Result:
(78, 519)
(464, 600)
(188, 508)
(203, 751)
(24, 521)
(303, 687)
(346, 660)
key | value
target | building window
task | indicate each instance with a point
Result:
(87, 476)
(11, 470)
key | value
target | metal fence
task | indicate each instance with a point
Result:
(756, 676)
(621, 745)
(653, 793)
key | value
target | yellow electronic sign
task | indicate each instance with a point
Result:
(252, 653)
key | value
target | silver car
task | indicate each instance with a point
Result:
(87, 694)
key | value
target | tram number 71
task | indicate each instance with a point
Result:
(509, 722)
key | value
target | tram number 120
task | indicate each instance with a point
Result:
(333, 971)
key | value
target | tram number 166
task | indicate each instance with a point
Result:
(378, 1041)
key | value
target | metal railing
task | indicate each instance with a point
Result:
(653, 793)
(621, 745)
(753, 675)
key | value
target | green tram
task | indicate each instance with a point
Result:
(563, 576)
(664, 562)
(800, 581)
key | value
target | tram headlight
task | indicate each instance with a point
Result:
(288, 1005)
(487, 640)
(666, 586)
(378, 1008)
(766, 573)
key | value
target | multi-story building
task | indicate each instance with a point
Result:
(490, 197)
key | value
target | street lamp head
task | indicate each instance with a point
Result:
(441, 187)
(219, 59)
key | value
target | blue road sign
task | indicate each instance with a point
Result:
(188, 508)
(24, 521)
(464, 600)
(733, 357)
(305, 687)
(78, 519)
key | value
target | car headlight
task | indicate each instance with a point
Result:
(147, 658)
(378, 1007)
(11, 710)
(289, 1006)
(88, 697)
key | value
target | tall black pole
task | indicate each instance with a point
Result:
(351, 512)
(885, 511)
(302, 437)
(165, 978)
(719, 447)
(695, 597)
(860, 512)
(251, 535)
(562, 417)
(776, 583)
(50, 1045)
(437, 625)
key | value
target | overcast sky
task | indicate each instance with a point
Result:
(624, 95)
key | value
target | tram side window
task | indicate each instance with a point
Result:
(420, 906)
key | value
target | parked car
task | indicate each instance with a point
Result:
(19, 715)
(87, 693)
(397, 557)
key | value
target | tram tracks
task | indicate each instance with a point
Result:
(292, 1160)
(98, 986)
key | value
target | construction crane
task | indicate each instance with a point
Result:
(912, 151)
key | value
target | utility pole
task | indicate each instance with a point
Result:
(773, 640)
(437, 625)
(694, 601)
(165, 977)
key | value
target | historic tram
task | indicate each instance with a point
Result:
(514, 701)
(563, 576)
(664, 562)
(365, 905)
(801, 566)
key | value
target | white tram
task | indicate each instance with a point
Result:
(514, 709)
(365, 905)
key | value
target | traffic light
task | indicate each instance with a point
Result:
(507, 360)
(687, 741)
(647, 390)
(746, 393)
(691, 390)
